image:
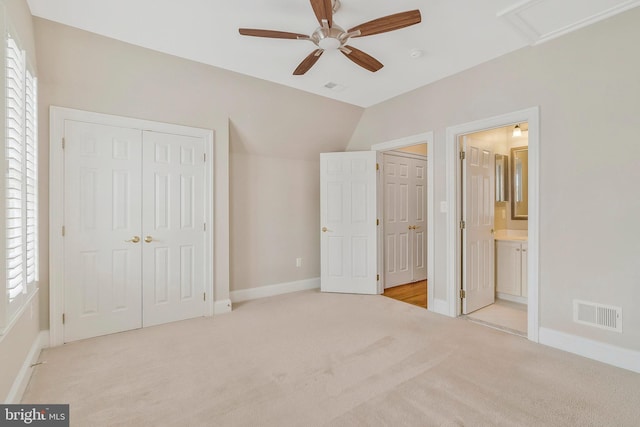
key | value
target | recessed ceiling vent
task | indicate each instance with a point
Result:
(598, 315)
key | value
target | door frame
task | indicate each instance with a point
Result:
(422, 138)
(454, 277)
(58, 116)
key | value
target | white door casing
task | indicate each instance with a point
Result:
(478, 280)
(173, 227)
(452, 305)
(405, 220)
(216, 203)
(348, 220)
(102, 231)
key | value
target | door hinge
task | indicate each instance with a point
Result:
(63, 142)
(204, 157)
(463, 294)
(63, 231)
(463, 225)
(204, 226)
(463, 155)
(378, 277)
(377, 222)
(63, 318)
(204, 296)
(377, 166)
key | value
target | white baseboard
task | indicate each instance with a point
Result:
(440, 306)
(272, 290)
(24, 375)
(222, 307)
(512, 298)
(602, 352)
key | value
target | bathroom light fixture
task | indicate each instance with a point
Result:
(517, 131)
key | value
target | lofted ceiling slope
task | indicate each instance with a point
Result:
(454, 35)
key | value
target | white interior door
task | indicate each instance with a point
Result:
(478, 213)
(398, 229)
(173, 227)
(135, 231)
(348, 217)
(419, 219)
(102, 245)
(405, 219)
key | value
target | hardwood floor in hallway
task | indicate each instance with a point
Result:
(412, 293)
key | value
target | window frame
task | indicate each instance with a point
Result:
(11, 310)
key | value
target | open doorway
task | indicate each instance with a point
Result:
(457, 255)
(406, 224)
(404, 192)
(494, 237)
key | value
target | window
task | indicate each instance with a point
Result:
(21, 181)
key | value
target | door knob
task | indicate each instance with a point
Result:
(134, 239)
(325, 229)
(148, 239)
(415, 227)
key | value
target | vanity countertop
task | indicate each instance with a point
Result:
(513, 235)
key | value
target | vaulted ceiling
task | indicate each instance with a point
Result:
(454, 35)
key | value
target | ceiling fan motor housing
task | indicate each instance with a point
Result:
(329, 38)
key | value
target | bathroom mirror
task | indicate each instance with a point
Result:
(502, 177)
(519, 183)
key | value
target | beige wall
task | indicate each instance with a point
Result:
(420, 149)
(587, 86)
(16, 343)
(276, 134)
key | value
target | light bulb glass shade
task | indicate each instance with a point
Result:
(517, 131)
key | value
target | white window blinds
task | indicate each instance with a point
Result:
(21, 176)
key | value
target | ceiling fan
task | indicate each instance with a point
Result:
(331, 36)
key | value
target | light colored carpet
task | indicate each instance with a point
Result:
(506, 315)
(309, 359)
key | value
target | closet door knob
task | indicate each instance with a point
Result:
(134, 239)
(148, 239)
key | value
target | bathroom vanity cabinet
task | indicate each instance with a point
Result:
(511, 270)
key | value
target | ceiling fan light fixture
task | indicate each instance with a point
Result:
(328, 38)
(329, 43)
(517, 131)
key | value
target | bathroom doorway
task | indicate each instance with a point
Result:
(494, 226)
(454, 286)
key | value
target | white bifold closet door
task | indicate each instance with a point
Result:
(134, 229)
(405, 219)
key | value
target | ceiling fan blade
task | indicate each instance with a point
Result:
(323, 10)
(308, 62)
(388, 23)
(364, 60)
(271, 34)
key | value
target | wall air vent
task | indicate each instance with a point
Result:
(598, 315)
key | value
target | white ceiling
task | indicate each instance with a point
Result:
(454, 35)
